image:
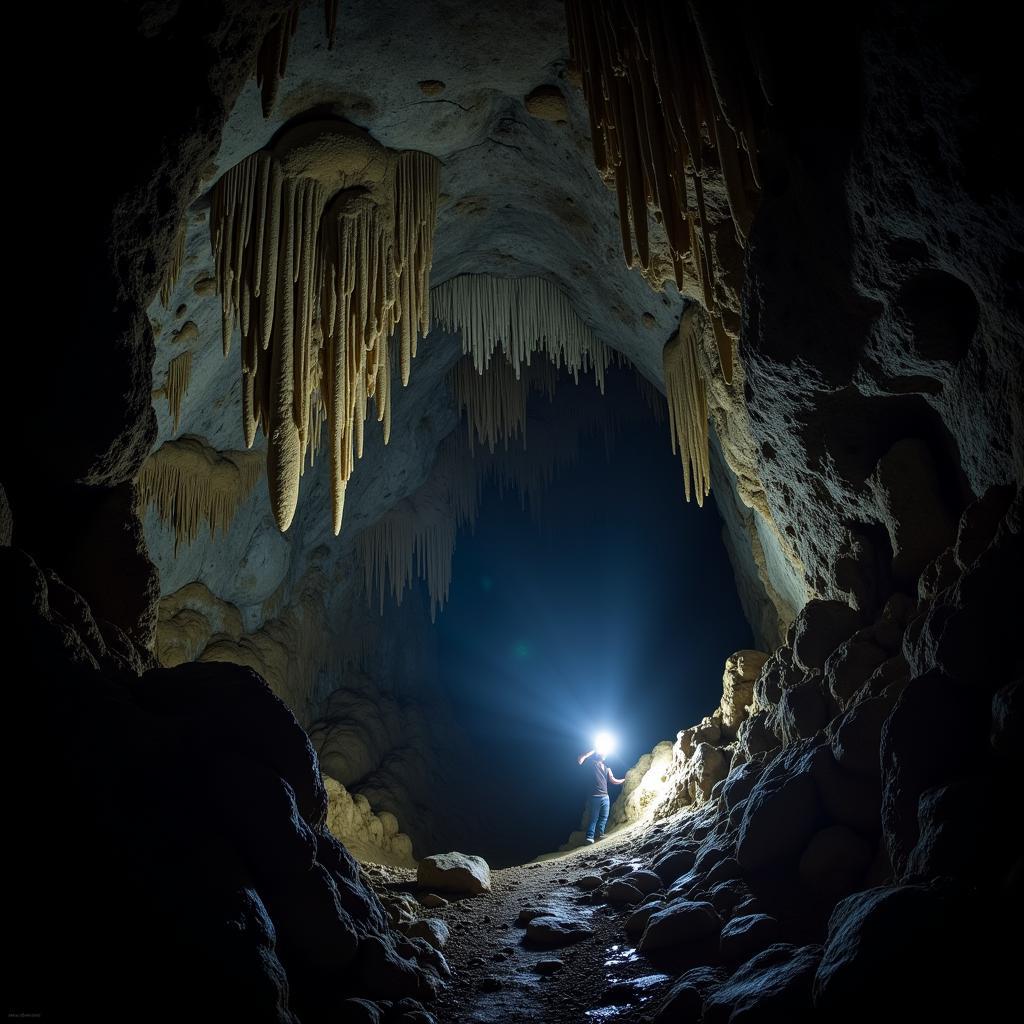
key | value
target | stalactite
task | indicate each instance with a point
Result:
(688, 404)
(174, 266)
(272, 59)
(179, 372)
(518, 316)
(665, 86)
(323, 248)
(187, 482)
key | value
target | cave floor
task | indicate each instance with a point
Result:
(495, 975)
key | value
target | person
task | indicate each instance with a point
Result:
(599, 803)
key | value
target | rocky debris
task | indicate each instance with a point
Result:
(454, 872)
(835, 861)
(685, 1000)
(590, 882)
(681, 922)
(556, 930)
(747, 934)
(637, 921)
(741, 669)
(774, 985)
(856, 736)
(647, 882)
(801, 712)
(1007, 734)
(621, 893)
(819, 629)
(548, 966)
(527, 914)
(674, 863)
(913, 943)
(432, 929)
(432, 901)
(783, 810)
(706, 766)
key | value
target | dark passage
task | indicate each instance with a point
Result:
(614, 608)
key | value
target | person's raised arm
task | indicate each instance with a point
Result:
(583, 757)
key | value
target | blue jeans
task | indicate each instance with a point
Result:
(598, 815)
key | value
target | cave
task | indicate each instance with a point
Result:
(434, 384)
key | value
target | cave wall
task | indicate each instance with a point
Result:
(519, 195)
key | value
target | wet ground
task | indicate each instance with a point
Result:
(497, 969)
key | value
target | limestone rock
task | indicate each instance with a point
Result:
(680, 922)
(935, 734)
(741, 669)
(783, 810)
(674, 863)
(708, 731)
(547, 102)
(850, 666)
(835, 861)
(820, 628)
(434, 930)
(454, 872)
(756, 735)
(637, 921)
(856, 737)
(979, 522)
(802, 711)
(621, 893)
(908, 491)
(556, 930)
(774, 985)
(746, 935)
(1008, 720)
(703, 769)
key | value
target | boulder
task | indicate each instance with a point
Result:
(1007, 735)
(383, 974)
(937, 732)
(590, 882)
(835, 861)
(549, 965)
(674, 863)
(979, 522)
(783, 810)
(909, 942)
(646, 881)
(702, 770)
(774, 985)
(685, 999)
(553, 930)
(432, 929)
(739, 782)
(848, 799)
(746, 935)
(637, 921)
(820, 628)
(687, 740)
(432, 901)
(454, 872)
(851, 665)
(741, 669)
(680, 922)
(621, 893)
(756, 736)
(856, 737)
(801, 711)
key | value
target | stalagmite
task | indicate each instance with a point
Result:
(688, 404)
(665, 88)
(519, 316)
(323, 248)
(187, 482)
(179, 372)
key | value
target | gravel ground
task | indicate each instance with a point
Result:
(495, 966)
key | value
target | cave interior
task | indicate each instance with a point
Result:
(440, 382)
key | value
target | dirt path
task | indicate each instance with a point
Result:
(496, 977)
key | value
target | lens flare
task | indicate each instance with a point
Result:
(604, 743)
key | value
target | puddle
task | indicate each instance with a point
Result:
(619, 956)
(605, 1013)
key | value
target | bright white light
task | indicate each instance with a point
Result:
(604, 743)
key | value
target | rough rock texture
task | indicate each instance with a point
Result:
(367, 836)
(454, 872)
